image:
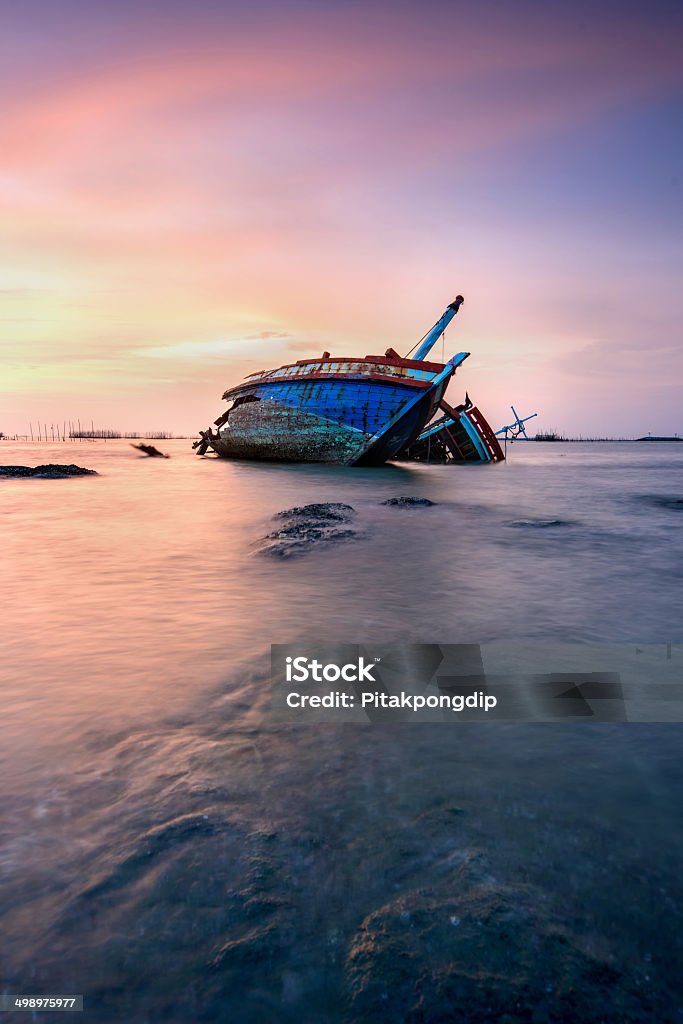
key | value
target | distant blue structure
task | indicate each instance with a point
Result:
(516, 429)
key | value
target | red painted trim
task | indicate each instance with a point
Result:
(411, 364)
(408, 364)
(487, 434)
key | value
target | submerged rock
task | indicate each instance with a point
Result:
(308, 527)
(319, 510)
(536, 524)
(483, 953)
(50, 471)
(286, 547)
(408, 502)
(663, 501)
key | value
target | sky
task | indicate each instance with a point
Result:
(190, 192)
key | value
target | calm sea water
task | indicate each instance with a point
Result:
(173, 855)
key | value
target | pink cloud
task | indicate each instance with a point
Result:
(211, 184)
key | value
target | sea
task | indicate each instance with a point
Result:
(172, 853)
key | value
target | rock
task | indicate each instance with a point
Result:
(409, 502)
(308, 527)
(482, 952)
(51, 471)
(323, 510)
(536, 524)
(284, 545)
(663, 501)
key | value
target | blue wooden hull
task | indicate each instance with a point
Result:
(350, 421)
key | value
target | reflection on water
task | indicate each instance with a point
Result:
(159, 835)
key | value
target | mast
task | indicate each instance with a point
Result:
(439, 327)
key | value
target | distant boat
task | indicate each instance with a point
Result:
(357, 412)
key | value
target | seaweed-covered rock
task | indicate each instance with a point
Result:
(482, 954)
(307, 527)
(406, 501)
(50, 471)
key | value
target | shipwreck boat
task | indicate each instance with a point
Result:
(335, 409)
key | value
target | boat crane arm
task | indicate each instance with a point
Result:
(431, 338)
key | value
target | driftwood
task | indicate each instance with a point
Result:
(150, 450)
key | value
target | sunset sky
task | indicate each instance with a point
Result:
(190, 191)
